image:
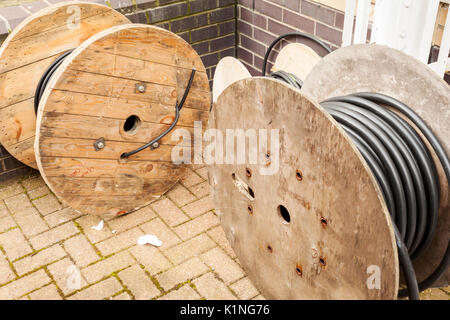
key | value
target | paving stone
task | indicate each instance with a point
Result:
(104, 268)
(212, 289)
(47, 204)
(190, 248)
(434, 294)
(39, 259)
(3, 210)
(61, 216)
(6, 223)
(87, 222)
(119, 241)
(181, 273)
(39, 192)
(54, 235)
(46, 293)
(218, 235)
(67, 276)
(228, 270)
(140, 285)
(14, 243)
(180, 195)
(80, 250)
(24, 285)
(169, 212)
(201, 190)
(162, 231)
(31, 222)
(15, 15)
(9, 190)
(6, 274)
(198, 225)
(131, 220)
(18, 203)
(203, 172)
(99, 291)
(122, 296)
(33, 182)
(198, 207)
(191, 178)
(183, 293)
(151, 258)
(244, 289)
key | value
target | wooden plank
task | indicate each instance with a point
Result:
(63, 125)
(62, 101)
(90, 168)
(83, 148)
(338, 225)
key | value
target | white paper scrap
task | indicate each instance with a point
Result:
(151, 239)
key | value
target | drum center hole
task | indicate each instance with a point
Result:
(131, 124)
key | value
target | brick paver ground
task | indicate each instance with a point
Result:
(48, 251)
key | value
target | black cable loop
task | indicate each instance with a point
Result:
(402, 166)
(178, 108)
(283, 75)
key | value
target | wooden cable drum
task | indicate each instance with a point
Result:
(28, 51)
(228, 71)
(375, 68)
(296, 58)
(120, 88)
(312, 227)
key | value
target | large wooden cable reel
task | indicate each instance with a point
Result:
(375, 68)
(326, 213)
(337, 224)
(28, 51)
(120, 87)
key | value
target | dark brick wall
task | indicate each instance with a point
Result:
(261, 21)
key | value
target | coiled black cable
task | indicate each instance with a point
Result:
(43, 82)
(401, 164)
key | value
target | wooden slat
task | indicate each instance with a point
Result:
(62, 102)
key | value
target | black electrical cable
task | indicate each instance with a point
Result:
(283, 75)
(43, 82)
(402, 166)
(178, 108)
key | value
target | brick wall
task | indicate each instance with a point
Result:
(261, 21)
(209, 25)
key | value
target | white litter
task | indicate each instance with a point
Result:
(99, 226)
(151, 239)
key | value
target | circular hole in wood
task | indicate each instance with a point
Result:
(299, 175)
(131, 124)
(299, 270)
(324, 222)
(248, 172)
(284, 214)
(250, 209)
(269, 248)
(233, 176)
